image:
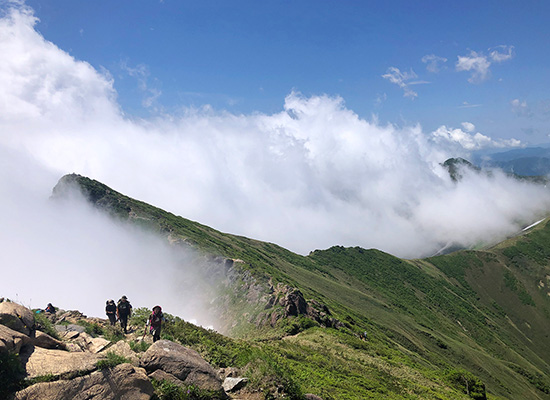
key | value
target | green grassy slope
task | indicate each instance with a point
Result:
(435, 326)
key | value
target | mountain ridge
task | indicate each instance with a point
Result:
(444, 311)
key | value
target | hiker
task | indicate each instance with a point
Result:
(123, 311)
(50, 309)
(155, 322)
(110, 310)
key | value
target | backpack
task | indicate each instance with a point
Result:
(155, 319)
(123, 307)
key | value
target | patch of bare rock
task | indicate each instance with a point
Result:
(68, 367)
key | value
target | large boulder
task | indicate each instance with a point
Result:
(39, 362)
(123, 382)
(12, 341)
(91, 344)
(123, 349)
(45, 341)
(159, 375)
(182, 362)
(17, 317)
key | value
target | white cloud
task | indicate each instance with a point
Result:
(433, 62)
(466, 140)
(394, 75)
(501, 53)
(465, 104)
(311, 176)
(468, 127)
(478, 63)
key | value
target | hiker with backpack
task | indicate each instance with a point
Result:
(124, 311)
(110, 310)
(155, 322)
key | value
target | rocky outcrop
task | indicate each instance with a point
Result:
(122, 382)
(45, 341)
(123, 349)
(183, 363)
(17, 317)
(160, 375)
(12, 341)
(77, 366)
(286, 301)
(40, 362)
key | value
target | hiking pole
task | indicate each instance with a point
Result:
(144, 333)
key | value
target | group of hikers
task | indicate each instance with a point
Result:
(123, 310)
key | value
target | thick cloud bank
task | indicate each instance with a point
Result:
(312, 176)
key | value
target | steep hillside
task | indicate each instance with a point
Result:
(435, 328)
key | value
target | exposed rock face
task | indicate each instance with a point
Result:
(123, 382)
(17, 317)
(12, 341)
(234, 384)
(123, 349)
(183, 363)
(45, 341)
(160, 375)
(40, 362)
(293, 302)
(286, 301)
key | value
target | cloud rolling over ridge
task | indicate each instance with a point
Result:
(311, 176)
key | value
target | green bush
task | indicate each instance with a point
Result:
(92, 328)
(113, 333)
(139, 316)
(43, 324)
(111, 361)
(139, 346)
(11, 374)
(165, 390)
(467, 383)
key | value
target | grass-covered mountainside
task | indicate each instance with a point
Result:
(470, 324)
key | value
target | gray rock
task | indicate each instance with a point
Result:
(123, 349)
(69, 328)
(310, 396)
(17, 317)
(182, 362)
(39, 362)
(12, 341)
(234, 384)
(45, 341)
(123, 382)
(160, 375)
(97, 344)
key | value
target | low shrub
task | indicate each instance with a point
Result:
(11, 374)
(111, 361)
(139, 346)
(467, 383)
(92, 328)
(165, 390)
(43, 324)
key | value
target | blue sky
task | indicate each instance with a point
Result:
(246, 56)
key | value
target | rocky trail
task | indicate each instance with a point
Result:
(88, 359)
